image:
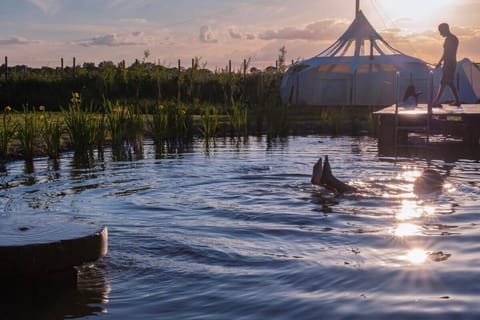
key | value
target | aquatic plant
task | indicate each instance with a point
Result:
(28, 131)
(209, 121)
(126, 127)
(336, 117)
(276, 117)
(51, 129)
(7, 131)
(82, 127)
(238, 118)
(171, 123)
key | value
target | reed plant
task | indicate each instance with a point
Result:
(277, 120)
(171, 123)
(51, 129)
(28, 132)
(82, 127)
(238, 118)
(7, 131)
(126, 127)
(209, 121)
(336, 116)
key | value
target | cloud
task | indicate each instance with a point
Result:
(16, 40)
(207, 35)
(116, 40)
(135, 20)
(237, 35)
(320, 30)
(49, 7)
(234, 34)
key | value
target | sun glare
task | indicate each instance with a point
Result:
(406, 230)
(416, 256)
(414, 9)
(409, 210)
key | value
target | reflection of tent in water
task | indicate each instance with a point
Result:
(358, 69)
(467, 82)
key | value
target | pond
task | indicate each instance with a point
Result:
(236, 231)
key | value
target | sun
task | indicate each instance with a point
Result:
(415, 10)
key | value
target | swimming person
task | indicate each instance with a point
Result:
(449, 62)
(428, 182)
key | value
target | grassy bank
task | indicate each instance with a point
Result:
(36, 131)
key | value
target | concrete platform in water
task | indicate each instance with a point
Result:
(43, 249)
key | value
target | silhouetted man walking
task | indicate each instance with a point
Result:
(449, 60)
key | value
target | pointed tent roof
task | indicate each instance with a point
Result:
(358, 33)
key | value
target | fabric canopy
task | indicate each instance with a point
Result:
(360, 68)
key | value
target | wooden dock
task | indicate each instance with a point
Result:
(448, 121)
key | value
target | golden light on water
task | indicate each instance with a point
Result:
(409, 174)
(416, 256)
(406, 230)
(412, 210)
(408, 210)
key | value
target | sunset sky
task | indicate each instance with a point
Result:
(40, 32)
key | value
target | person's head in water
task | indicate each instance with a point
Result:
(444, 29)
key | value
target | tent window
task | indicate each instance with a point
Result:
(334, 68)
(373, 67)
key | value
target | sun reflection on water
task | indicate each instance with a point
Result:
(406, 230)
(416, 256)
(412, 210)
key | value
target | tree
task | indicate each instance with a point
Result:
(281, 59)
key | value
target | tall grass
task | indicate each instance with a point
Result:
(238, 117)
(171, 124)
(82, 127)
(7, 132)
(126, 127)
(209, 121)
(28, 131)
(51, 129)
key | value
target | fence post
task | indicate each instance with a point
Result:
(178, 82)
(61, 68)
(74, 65)
(6, 68)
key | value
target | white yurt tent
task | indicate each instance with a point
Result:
(360, 68)
(467, 82)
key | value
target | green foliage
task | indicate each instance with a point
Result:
(171, 123)
(126, 127)
(209, 121)
(51, 129)
(82, 127)
(28, 130)
(238, 117)
(7, 131)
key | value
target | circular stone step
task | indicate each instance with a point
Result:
(38, 244)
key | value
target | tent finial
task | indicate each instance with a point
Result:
(357, 8)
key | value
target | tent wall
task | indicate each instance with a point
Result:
(467, 82)
(322, 86)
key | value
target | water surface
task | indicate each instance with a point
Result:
(238, 232)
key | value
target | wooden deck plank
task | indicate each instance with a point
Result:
(421, 109)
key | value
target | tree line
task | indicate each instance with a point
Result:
(142, 83)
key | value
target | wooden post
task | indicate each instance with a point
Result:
(6, 68)
(74, 65)
(61, 68)
(178, 82)
(229, 82)
(244, 67)
(191, 80)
